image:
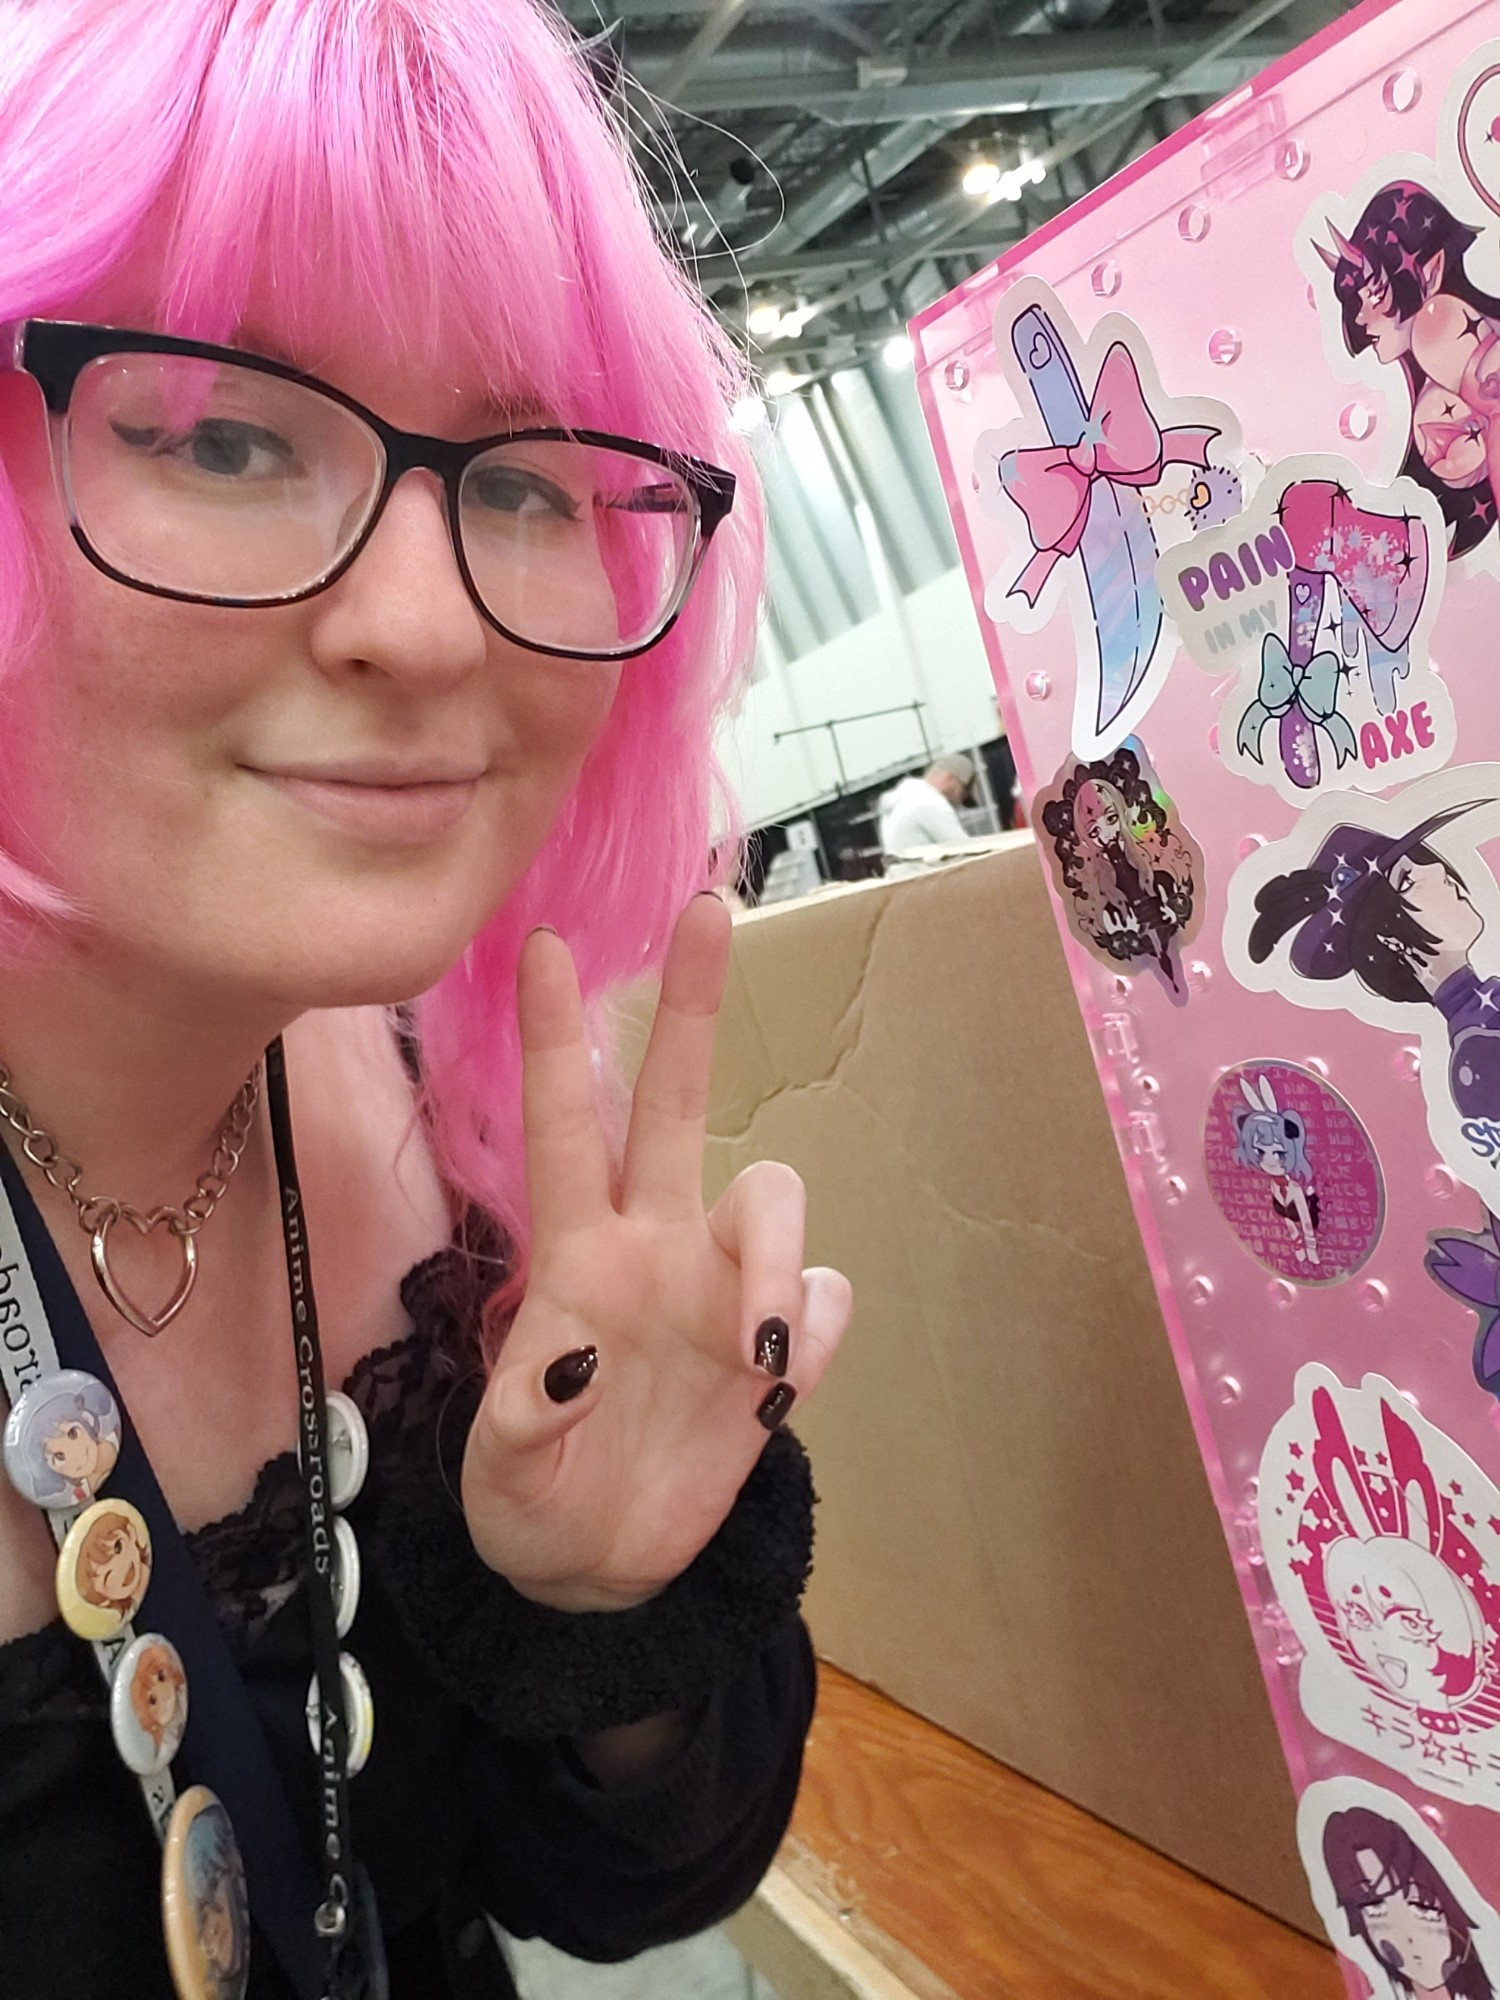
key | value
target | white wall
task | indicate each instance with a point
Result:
(924, 647)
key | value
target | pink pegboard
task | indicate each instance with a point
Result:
(1222, 447)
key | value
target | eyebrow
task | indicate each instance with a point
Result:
(498, 413)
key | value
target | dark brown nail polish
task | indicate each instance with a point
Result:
(773, 1410)
(773, 1346)
(570, 1374)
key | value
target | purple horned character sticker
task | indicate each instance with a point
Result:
(1382, 1540)
(1071, 479)
(1128, 875)
(1293, 1172)
(1394, 278)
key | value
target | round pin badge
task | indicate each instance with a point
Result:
(348, 1450)
(148, 1704)
(359, 1714)
(103, 1569)
(61, 1440)
(205, 1910)
(345, 1577)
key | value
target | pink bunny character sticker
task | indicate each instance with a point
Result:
(1382, 1539)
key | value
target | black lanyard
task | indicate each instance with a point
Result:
(224, 1746)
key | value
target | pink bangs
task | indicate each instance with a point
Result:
(440, 173)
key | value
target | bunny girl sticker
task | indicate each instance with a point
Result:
(1382, 1539)
(1385, 909)
(1321, 595)
(1393, 1900)
(1128, 875)
(1069, 480)
(1293, 1172)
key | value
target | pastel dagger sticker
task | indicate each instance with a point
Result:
(1072, 480)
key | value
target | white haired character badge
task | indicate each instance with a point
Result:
(1383, 1540)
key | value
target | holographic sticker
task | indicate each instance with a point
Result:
(1293, 1172)
(1126, 871)
(1072, 484)
(1382, 1539)
(1320, 595)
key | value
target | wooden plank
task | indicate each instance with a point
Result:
(1006, 1891)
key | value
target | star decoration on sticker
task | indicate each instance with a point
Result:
(1400, 208)
(1472, 324)
(1092, 432)
(1455, 1486)
(1467, 1519)
(1295, 1482)
(1404, 561)
(1486, 1001)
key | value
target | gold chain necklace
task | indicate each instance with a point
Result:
(98, 1214)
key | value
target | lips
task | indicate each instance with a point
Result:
(380, 804)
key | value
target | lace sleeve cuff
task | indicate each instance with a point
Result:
(531, 1672)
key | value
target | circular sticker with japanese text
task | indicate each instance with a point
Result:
(1293, 1171)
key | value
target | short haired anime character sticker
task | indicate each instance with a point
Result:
(1392, 916)
(1403, 294)
(62, 1440)
(1129, 875)
(1393, 1899)
(1382, 1539)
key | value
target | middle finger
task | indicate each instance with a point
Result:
(663, 1169)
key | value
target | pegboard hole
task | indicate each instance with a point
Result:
(1106, 278)
(1401, 91)
(1224, 346)
(1038, 686)
(1356, 421)
(1192, 223)
(1291, 159)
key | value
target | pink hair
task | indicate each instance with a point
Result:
(442, 172)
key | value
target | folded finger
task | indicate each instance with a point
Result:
(760, 1222)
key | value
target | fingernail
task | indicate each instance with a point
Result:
(773, 1346)
(570, 1374)
(548, 928)
(773, 1410)
(706, 892)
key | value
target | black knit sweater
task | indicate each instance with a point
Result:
(473, 1801)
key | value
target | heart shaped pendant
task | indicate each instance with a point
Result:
(149, 1324)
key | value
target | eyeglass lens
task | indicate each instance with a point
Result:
(221, 482)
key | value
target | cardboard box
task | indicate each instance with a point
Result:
(1016, 1538)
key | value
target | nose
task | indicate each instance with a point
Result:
(402, 609)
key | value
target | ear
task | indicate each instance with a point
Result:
(1292, 1125)
(1336, 1472)
(1248, 1090)
(1432, 273)
(1268, 1094)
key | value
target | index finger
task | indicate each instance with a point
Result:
(567, 1158)
(669, 1111)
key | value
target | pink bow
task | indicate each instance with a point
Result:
(1121, 442)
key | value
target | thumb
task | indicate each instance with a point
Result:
(526, 1415)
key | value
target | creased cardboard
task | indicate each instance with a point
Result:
(1016, 1539)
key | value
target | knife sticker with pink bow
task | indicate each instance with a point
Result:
(1082, 498)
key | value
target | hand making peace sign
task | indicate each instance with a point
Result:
(597, 1502)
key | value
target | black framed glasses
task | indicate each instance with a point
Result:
(214, 476)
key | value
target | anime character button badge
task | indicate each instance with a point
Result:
(359, 1714)
(103, 1569)
(204, 1906)
(62, 1440)
(348, 1450)
(1293, 1172)
(148, 1705)
(344, 1577)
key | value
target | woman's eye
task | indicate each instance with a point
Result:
(1356, 1614)
(219, 446)
(506, 489)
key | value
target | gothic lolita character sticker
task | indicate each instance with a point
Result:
(1128, 875)
(1382, 1540)
(1386, 909)
(1321, 595)
(1393, 1900)
(1069, 480)
(1293, 1172)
